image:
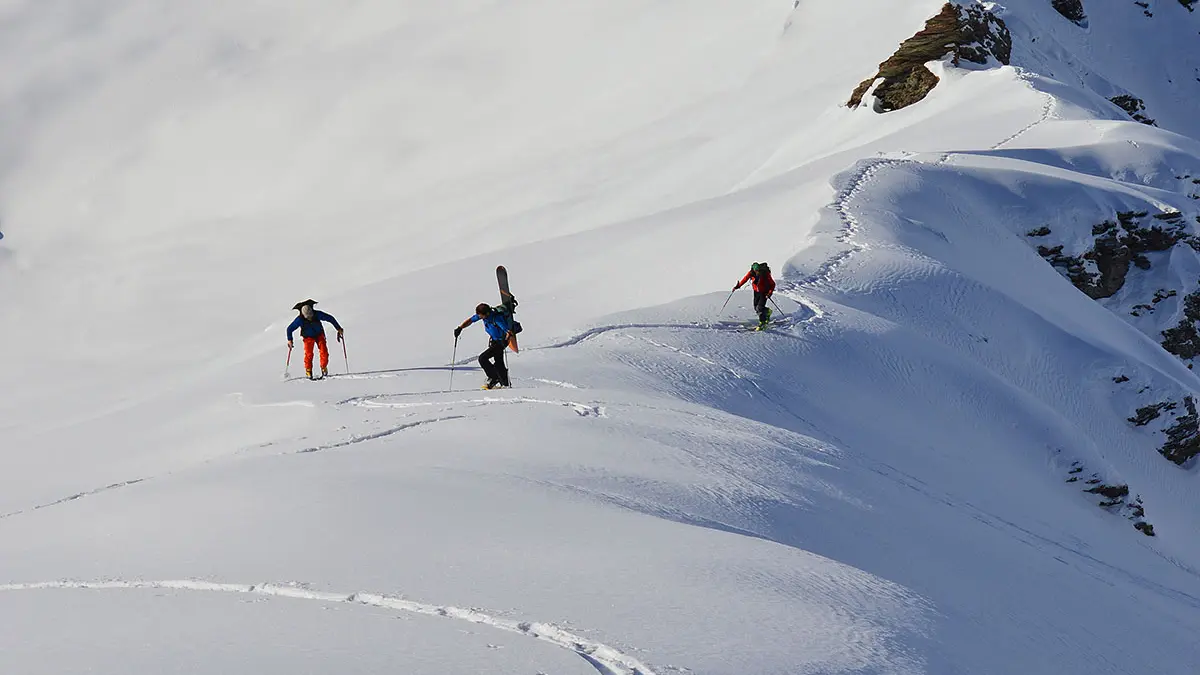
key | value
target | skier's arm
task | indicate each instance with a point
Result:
(468, 322)
(329, 317)
(292, 328)
(744, 280)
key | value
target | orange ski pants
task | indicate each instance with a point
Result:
(319, 341)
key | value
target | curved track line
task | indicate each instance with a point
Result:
(582, 409)
(860, 180)
(353, 440)
(605, 659)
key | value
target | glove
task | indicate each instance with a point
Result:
(289, 344)
(737, 287)
(457, 332)
(339, 335)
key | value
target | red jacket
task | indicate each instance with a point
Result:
(762, 284)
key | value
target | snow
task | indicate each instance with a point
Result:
(877, 484)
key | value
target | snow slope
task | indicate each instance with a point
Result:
(875, 485)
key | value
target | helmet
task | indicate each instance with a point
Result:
(756, 268)
(483, 309)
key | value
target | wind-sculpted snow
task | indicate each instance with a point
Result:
(926, 464)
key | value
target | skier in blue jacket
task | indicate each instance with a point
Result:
(497, 322)
(309, 324)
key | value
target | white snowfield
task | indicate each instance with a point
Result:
(875, 485)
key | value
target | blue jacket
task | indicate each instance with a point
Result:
(312, 329)
(497, 324)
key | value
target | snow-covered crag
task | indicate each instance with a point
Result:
(967, 443)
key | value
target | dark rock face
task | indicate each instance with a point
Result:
(963, 33)
(1183, 340)
(1071, 9)
(1183, 437)
(1115, 498)
(1135, 107)
(1118, 246)
(1148, 414)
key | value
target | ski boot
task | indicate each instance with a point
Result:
(324, 372)
(308, 373)
(491, 384)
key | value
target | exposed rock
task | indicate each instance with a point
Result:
(964, 33)
(1183, 437)
(1190, 4)
(1118, 246)
(1115, 498)
(1110, 491)
(1071, 9)
(1042, 231)
(1120, 379)
(1134, 106)
(1149, 413)
(1183, 340)
(1162, 294)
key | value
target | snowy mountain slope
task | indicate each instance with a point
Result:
(876, 485)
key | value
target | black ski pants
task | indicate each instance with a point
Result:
(492, 361)
(760, 305)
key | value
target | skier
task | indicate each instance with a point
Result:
(498, 323)
(764, 287)
(309, 323)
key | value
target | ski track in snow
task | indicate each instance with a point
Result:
(605, 659)
(596, 331)
(860, 181)
(582, 409)
(76, 496)
(354, 440)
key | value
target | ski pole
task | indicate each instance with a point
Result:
(344, 356)
(776, 305)
(726, 303)
(453, 358)
(287, 364)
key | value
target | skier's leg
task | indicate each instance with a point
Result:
(501, 366)
(485, 362)
(308, 354)
(495, 361)
(323, 346)
(760, 306)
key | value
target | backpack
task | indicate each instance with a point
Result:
(514, 325)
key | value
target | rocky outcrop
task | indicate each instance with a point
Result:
(1183, 437)
(1071, 9)
(1181, 428)
(1183, 340)
(1134, 107)
(1148, 414)
(1114, 498)
(971, 34)
(1101, 271)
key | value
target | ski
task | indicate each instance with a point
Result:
(755, 327)
(509, 301)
